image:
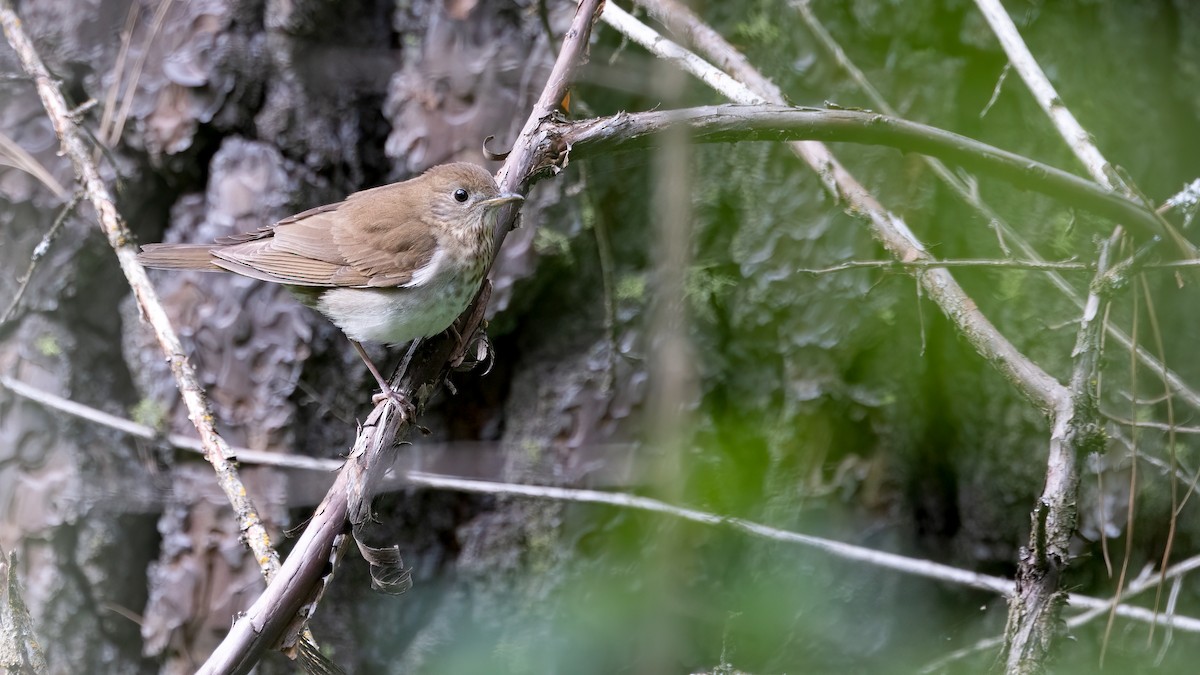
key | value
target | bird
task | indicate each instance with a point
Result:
(386, 265)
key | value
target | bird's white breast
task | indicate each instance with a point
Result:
(395, 316)
(433, 298)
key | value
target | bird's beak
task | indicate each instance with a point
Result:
(501, 200)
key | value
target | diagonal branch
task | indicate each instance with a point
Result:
(1076, 137)
(971, 197)
(1081, 143)
(882, 559)
(1073, 419)
(216, 451)
(1034, 383)
(39, 252)
(127, 426)
(299, 581)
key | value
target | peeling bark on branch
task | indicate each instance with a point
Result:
(1035, 611)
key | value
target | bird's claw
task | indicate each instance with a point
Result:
(401, 402)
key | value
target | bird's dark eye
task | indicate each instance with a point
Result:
(460, 195)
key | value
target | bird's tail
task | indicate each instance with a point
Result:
(178, 257)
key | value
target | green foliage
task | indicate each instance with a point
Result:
(150, 413)
(631, 288)
(704, 286)
(47, 345)
(760, 27)
(843, 404)
(548, 242)
(1011, 287)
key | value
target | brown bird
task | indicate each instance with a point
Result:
(389, 265)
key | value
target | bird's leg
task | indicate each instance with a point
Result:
(386, 391)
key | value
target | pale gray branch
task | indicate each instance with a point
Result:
(1046, 392)
(899, 563)
(300, 579)
(122, 242)
(1005, 232)
(1076, 137)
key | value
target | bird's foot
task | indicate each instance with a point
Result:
(401, 401)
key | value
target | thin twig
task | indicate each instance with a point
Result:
(1069, 431)
(1143, 583)
(19, 158)
(299, 581)
(113, 134)
(971, 197)
(1085, 150)
(1076, 137)
(1046, 392)
(90, 414)
(922, 568)
(928, 264)
(1158, 425)
(119, 237)
(899, 563)
(216, 450)
(118, 71)
(39, 252)
(1177, 503)
(604, 254)
(894, 562)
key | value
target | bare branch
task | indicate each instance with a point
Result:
(1046, 392)
(868, 556)
(721, 124)
(300, 578)
(899, 563)
(1073, 419)
(1076, 137)
(39, 252)
(216, 450)
(1033, 618)
(927, 264)
(1143, 583)
(1145, 424)
(246, 455)
(1004, 231)
(119, 237)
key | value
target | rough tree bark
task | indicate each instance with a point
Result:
(828, 390)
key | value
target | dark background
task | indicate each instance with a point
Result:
(842, 405)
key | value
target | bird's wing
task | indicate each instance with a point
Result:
(298, 250)
(386, 238)
(355, 243)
